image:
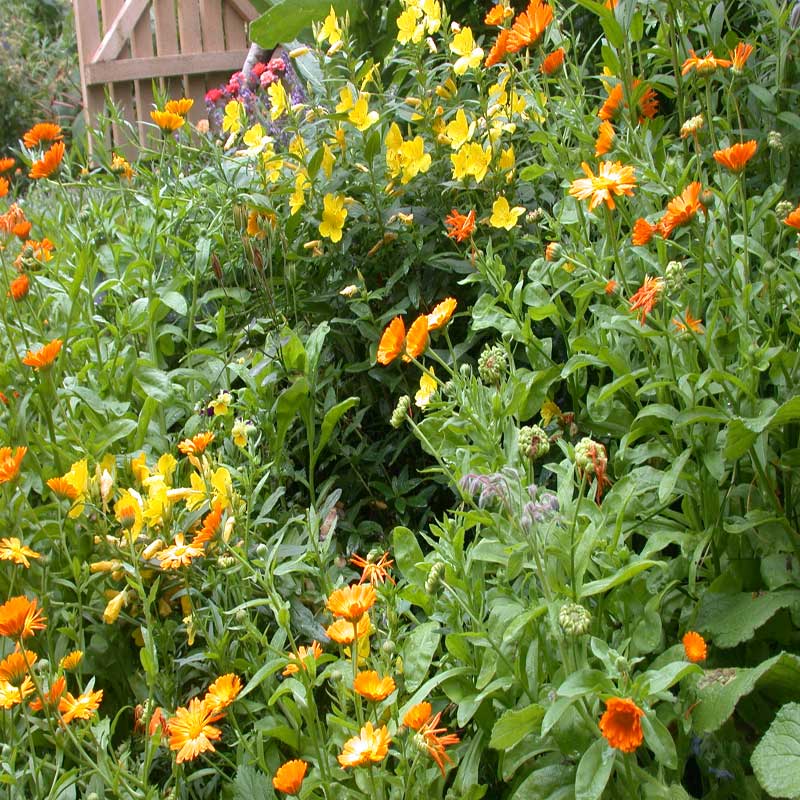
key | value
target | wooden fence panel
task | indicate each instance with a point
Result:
(121, 93)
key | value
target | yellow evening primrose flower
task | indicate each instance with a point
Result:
(394, 143)
(333, 216)
(427, 388)
(297, 147)
(503, 216)
(328, 160)
(330, 29)
(345, 103)
(272, 163)
(232, 121)
(256, 140)
(165, 467)
(414, 158)
(278, 100)
(463, 45)
(223, 487)
(432, 9)
(473, 160)
(139, 467)
(297, 199)
(157, 503)
(459, 131)
(409, 29)
(360, 115)
(549, 412)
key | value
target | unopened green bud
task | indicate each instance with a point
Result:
(465, 370)
(574, 619)
(674, 276)
(590, 456)
(262, 551)
(400, 412)
(534, 216)
(492, 364)
(434, 577)
(388, 647)
(533, 442)
(783, 209)
(707, 198)
(775, 141)
(225, 561)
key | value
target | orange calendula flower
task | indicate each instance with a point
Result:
(417, 338)
(352, 602)
(417, 715)
(441, 314)
(391, 343)
(42, 132)
(499, 49)
(495, 15)
(430, 737)
(643, 232)
(43, 357)
(12, 549)
(6, 164)
(179, 554)
(297, 660)
(739, 56)
(793, 219)
(694, 645)
(610, 286)
(682, 209)
(529, 25)
(211, 524)
(289, 777)
(688, 323)
(64, 487)
(645, 299)
(22, 230)
(168, 121)
(197, 444)
(51, 697)
(71, 660)
(370, 746)
(19, 618)
(4, 186)
(605, 139)
(612, 104)
(191, 731)
(370, 685)
(374, 572)
(18, 288)
(10, 462)
(703, 65)
(342, 631)
(460, 226)
(736, 156)
(81, 707)
(180, 107)
(620, 724)
(15, 666)
(223, 692)
(48, 163)
(612, 179)
(553, 62)
(11, 695)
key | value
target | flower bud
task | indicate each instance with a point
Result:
(492, 364)
(574, 619)
(674, 276)
(400, 412)
(775, 141)
(115, 606)
(590, 455)
(434, 577)
(707, 198)
(783, 209)
(533, 442)
(692, 126)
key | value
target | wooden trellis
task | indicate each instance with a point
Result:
(187, 46)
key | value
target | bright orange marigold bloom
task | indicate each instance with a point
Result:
(179, 554)
(42, 132)
(71, 660)
(417, 338)
(495, 15)
(15, 666)
(552, 252)
(605, 139)
(499, 49)
(370, 746)
(11, 695)
(197, 444)
(611, 179)
(736, 156)
(22, 229)
(370, 685)
(6, 164)
(430, 737)
(211, 523)
(553, 62)
(10, 462)
(740, 55)
(391, 343)
(682, 209)
(610, 286)
(688, 323)
(180, 107)
(297, 660)
(351, 602)
(48, 163)
(18, 288)
(63, 487)
(168, 121)
(51, 697)
(12, 549)
(441, 314)
(342, 632)
(223, 692)
(703, 66)
(417, 715)
(648, 101)
(793, 219)
(10, 218)
(4, 185)
(81, 707)
(612, 104)
(529, 25)
(694, 645)
(620, 724)
(645, 299)
(643, 232)
(374, 572)
(289, 777)
(460, 226)
(191, 731)
(43, 357)
(19, 618)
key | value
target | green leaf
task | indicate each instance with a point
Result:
(776, 759)
(418, 652)
(175, 301)
(594, 770)
(284, 21)
(764, 96)
(662, 679)
(314, 345)
(154, 383)
(407, 554)
(514, 724)
(586, 681)
(251, 783)
(667, 485)
(734, 618)
(739, 440)
(118, 429)
(332, 416)
(286, 408)
(720, 690)
(621, 576)
(659, 741)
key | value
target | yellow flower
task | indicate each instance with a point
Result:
(115, 606)
(503, 216)
(345, 100)
(165, 466)
(232, 121)
(549, 412)
(272, 164)
(75, 485)
(333, 217)
(408, 28)
(330, 29)
(128, 511)
(427, 388)
(328, 160)
(508, 158)
(278, 100)
(394, 144)
(256, 140)
(298, 198)
(297, 147)
(459, 131)
(360, 115)
(471, 159)
(240, 431)
(463, 45)
(139, 467)
(414, 159)
(220, 405)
